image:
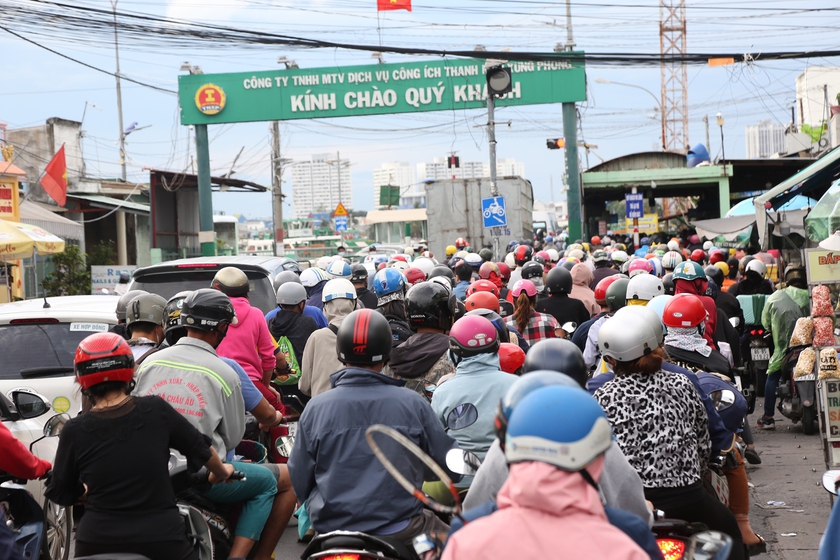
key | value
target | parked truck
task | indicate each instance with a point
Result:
(454, 209)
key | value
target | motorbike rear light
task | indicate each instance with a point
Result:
(197, 265)
(33, 321)
(671, 549)
(341, 557)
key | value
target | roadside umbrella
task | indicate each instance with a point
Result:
(21, 241)
(746, 206)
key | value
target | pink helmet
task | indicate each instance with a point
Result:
(640, 266)
(524, 286)
(472, 335)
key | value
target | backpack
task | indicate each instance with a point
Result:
(284, 346)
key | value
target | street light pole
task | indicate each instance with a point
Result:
(277, 190)
(122, 250)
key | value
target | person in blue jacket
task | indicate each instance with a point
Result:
(332, 467)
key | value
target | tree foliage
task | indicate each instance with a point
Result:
(71, 276)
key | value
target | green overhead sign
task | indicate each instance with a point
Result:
(381, 89)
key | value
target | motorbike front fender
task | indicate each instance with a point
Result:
(807, 391)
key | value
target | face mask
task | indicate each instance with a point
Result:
(341, 253)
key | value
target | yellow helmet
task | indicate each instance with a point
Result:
(724, 267)
(451, 250)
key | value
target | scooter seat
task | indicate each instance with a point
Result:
(114, 556)
(343, 541)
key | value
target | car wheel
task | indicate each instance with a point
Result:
(59, 529)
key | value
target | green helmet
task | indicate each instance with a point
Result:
(689, 270)
(486, 254)
(616, 294)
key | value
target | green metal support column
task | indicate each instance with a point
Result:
(206, 234)
(573, 195)
(723, 195)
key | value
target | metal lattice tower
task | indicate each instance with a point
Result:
(672, 44)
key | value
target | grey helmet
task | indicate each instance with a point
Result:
(231, 281)
(286, 276)
(291, 293)
(122, 303)
(146, 308)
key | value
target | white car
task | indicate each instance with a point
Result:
(28, 417)
(38, 339)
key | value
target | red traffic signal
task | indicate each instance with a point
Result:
(555, 143)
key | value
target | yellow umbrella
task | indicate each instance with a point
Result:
(19, 240)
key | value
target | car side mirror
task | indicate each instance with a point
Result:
(831, 480)
(29, 405)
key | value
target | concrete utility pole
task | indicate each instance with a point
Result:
(122, 250)
(277, 189)
(573, 193)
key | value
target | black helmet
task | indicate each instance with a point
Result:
(668, 283)
(556, 354)
(358, 273)
(523, 254)
(443, 270)
(567, 265)
(285, 276)
(534, 269)
(364, 337)
(231, 281)
(617, 294)
(206, 309)
(558, 281)
(715, 273)
(428, 304)
(122, 303)
(173, 330)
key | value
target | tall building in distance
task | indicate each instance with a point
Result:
(320, 183)
(439, 170)
(507, 167)
(765, 139)
(399, 174)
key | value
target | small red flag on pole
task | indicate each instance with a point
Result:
(388, 5)
(54, 179)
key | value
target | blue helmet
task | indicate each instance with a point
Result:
(389, 285)
(561, 426)
(339, 269)
(525, 385)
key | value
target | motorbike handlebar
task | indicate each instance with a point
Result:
(237, 475)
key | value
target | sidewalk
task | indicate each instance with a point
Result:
(790, 472)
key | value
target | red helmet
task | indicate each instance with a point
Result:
(684, 311)
(490, 271)
(461, 243)
(399, 258)
(595, 240)
(716, 257)
(522, 254)
(414, 275)
(472, 335)
(381, 266)
(482, 300)
(483, 286)
(545, 256)
(698, 255)
(504, 270)
(511, 357)
(103, 357)
(639, 266)
(601, 288)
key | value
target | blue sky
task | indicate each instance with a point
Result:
(619, 120)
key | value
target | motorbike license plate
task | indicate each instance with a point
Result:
(738, 383)
(292, 428)
(760, 354)
(809, 377)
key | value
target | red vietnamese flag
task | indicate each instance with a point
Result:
(54, 180)
(387, 5)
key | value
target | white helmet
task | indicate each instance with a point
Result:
(619, 256)
(402, 266)
(630, 334)
(756, 265)
(575, 254)
(708, 245)
(409, 251)
(312, 277)
(425, 264)
(339, 269)
(553, 255)
(338, 288)
(509, 260)
(443, 281)
(671, 259)
(644, 287)
(323, 262)
(673, 245)
(461, 254)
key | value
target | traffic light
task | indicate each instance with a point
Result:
(555, 143)
(453, 161)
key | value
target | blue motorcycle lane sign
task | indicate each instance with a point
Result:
(493, 211)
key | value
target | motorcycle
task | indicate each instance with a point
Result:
(208, 528)
(797, 395)
(757, 347)
(24, 516)
(680, 540)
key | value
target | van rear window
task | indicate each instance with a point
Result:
(167, 283)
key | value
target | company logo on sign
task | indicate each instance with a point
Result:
(210, 99)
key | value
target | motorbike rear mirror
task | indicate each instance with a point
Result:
(55, 424)
(830, 481)
(734, 321)
(462, 462)
(284, 446)
(29, 405)
(569, 327)
(710, 545)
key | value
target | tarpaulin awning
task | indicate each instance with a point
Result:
(37, 215)
(735, 231)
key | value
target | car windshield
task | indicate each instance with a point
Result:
(168, 283)
(43, 345)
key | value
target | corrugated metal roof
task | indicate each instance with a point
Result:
(37, 215)
(100, 201)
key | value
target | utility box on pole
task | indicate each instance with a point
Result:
(454, 209)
